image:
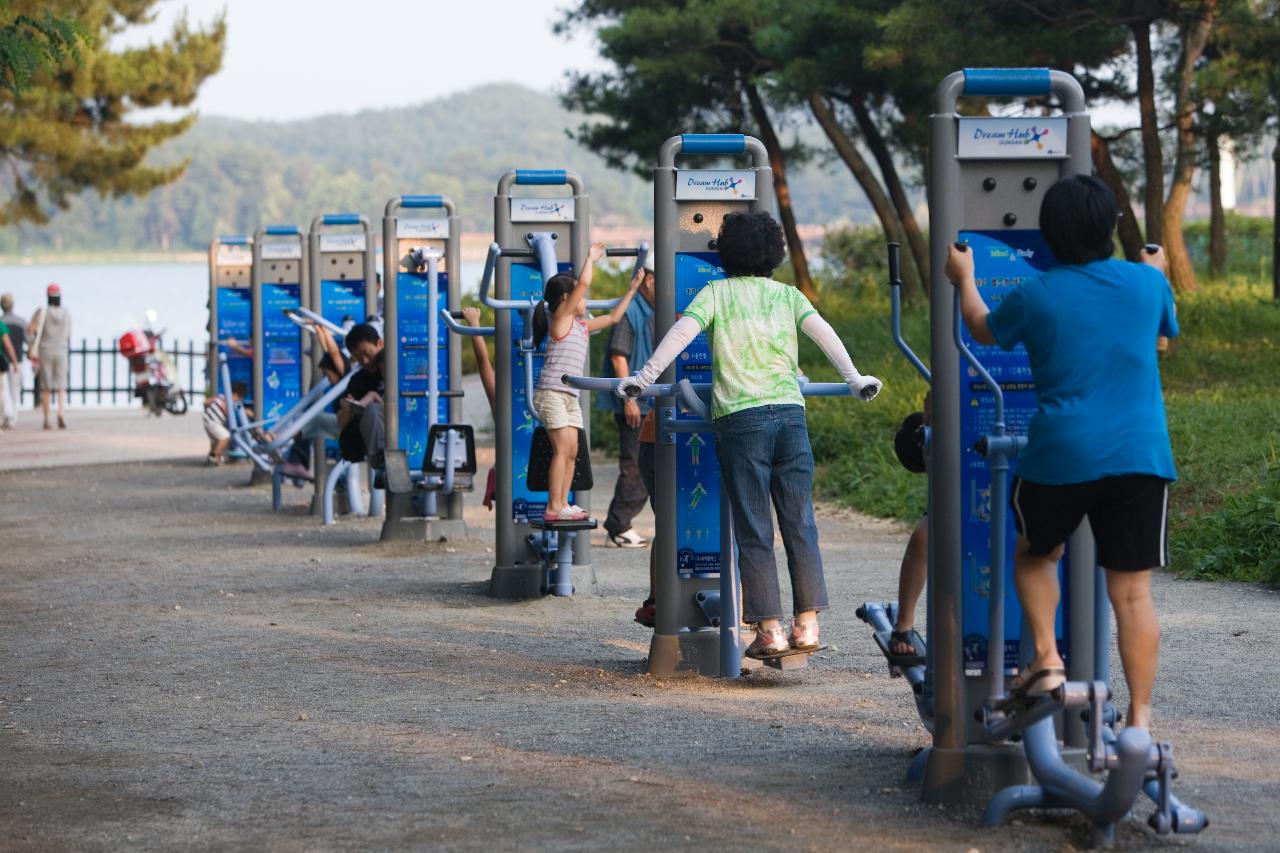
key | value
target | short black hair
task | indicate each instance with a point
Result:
(239, 389)
(907, 443)
(1078, 219)
(361, 333)
(750, 244)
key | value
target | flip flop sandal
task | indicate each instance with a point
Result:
(1030, 686)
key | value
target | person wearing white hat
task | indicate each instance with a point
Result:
(630, 345)
(50, 335)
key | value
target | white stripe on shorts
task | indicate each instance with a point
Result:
(1164, 528)
(1022, 522)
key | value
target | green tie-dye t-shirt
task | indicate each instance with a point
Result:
(752, 324)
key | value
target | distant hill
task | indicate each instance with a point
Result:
(244, 173)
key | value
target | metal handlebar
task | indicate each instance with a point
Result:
(451, 319)
(490, 263)
(895, 296)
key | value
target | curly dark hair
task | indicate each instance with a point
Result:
(750, 244)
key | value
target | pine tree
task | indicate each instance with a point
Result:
(66, 95)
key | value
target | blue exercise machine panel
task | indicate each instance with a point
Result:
(526, 283)
(339, 299)
(697, 466)
(282, 351)
(412, 303)
(1002, 260)
(235, 320)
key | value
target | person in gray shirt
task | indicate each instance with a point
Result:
(11, 381)
(50, 333)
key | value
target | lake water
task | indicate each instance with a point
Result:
(106, 300)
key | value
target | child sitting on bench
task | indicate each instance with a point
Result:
(762, 437)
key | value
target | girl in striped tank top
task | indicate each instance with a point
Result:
(563, 322)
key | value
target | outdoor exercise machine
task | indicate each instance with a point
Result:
(697, 595)
(430, 457)
(341, 283)
(534, 557)
(986, 180)
(230, 311)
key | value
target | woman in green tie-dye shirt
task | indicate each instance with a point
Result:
(762, 437)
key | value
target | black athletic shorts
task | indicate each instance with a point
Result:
(1129, 516)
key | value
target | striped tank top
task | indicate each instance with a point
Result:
(565, 355)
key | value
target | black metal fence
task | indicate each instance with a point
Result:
(98, 375)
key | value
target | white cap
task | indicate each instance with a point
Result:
(648, 262)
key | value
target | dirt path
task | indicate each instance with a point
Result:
(180, 668)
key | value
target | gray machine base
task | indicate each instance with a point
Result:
(972, 776)
(257, 476)
(418, 529)
(525, 580)
(686, 653)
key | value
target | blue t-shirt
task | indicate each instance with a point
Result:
(1090, 331)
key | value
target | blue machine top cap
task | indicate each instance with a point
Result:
(713, 143)
(233, 240)
(543, 177)
(280, 230)
(422, 201)
(1001, 82)
(341, 219)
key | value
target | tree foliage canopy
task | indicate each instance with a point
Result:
(65, 128)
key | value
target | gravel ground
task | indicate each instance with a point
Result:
(180, 668)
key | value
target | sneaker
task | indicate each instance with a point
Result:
(213, 460)
(647, 613)
(804, 635)
(628, 539)
(769, 643)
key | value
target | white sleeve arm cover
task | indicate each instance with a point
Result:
(672, 344)
(821, 333)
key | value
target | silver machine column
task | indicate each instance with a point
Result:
(230, 310)
(280, 372)
(517, 571)
(696, 590)
(418, 358)
(987, 177)
(341, 282)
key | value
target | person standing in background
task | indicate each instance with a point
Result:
(11, 382)
(50, 332)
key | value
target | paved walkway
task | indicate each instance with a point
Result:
(95, 436)
(182, 669)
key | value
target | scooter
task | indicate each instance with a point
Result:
(155, 376)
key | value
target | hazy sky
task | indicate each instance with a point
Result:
(288, 59)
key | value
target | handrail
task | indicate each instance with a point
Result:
(895, 295)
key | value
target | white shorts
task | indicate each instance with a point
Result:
(557, 410)
(216, 430)
(53, 371)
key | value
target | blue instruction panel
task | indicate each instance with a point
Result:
(526, 283)
(413, 319)
(1002, 260)
(282, 351)
(235, 320)
(341, 299)
(697, 466)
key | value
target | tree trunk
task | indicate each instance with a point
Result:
(1152, 155)
(889, 173)
(1127, 227)
(867, 180)
(782, 192)
(1195, 35)
(1217, 220)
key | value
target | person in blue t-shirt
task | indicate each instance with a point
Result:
(1098, 445)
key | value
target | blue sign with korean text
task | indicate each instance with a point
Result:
(412, 302)
(235, 320)
(342, 299)
(697, 466)
(1002, 260)
(282, 351)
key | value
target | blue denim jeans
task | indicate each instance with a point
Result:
(765, 457)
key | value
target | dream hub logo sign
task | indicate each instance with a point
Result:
(542, 210)
(716, 184)
(1012, 138)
